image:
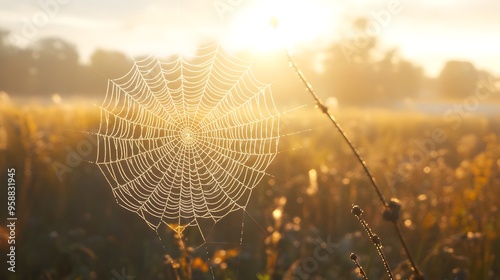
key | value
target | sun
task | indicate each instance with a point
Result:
(300, 22)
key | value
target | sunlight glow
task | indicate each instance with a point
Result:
(300, 22)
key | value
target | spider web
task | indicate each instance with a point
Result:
(184, 140)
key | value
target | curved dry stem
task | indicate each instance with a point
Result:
(324, 110)
(374, 239)
(354, 258)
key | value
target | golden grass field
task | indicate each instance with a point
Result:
(445, 172)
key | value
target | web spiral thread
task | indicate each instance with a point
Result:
(186, 139)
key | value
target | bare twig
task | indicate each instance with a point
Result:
(356, 211)
(354, 258)
(324, 109)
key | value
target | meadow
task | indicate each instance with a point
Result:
(445, 172)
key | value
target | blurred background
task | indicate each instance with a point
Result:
(371, 52)
(415, 83)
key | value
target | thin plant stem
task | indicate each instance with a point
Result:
(173, 265)
(185, 259)
(373, 238)
(410, 257)
(181, 266)
(324, 110)
(354, 258)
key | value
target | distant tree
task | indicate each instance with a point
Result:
(488, 85)
(458, 79)
(5, 56)
(110, 64)
(4, 46)
(349, 66)
(51, 65)
(397, 78)
(16, 67)
(104, 65)
(349, 80)
(363, 41)
(355, 76)
(56, 66)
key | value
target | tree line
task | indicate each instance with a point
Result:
(353, 74)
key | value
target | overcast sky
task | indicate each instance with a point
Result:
(428, 32)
